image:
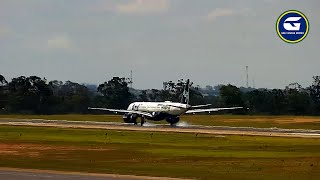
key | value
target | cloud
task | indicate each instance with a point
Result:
(143, 7)
(134, 7)
(223, 12)
(59, 42)
(220, 12)
(4, 31)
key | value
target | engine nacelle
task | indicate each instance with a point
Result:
(173, 120)
(130, 118)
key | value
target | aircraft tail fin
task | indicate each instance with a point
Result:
(185, 94)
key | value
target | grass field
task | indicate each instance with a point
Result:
(291, 122)
(160, 154)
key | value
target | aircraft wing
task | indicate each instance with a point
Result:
(123, 111)
(203, 105)
(210, 110)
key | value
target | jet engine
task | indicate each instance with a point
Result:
(173, 120)
(130, 118)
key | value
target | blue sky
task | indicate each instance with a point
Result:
(210, 42)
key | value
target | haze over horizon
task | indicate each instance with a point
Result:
(209, 42)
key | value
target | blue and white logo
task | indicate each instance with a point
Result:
(292, 26)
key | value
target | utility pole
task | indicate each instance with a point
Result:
(247, 72)
(131, 80)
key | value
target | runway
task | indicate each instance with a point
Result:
(18, 174)
(179, 128)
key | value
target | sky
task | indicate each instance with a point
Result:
(210, 42)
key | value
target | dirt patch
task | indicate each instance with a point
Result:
(246, 120)
(4, 152)
(276, 121)
(296, 120)
(18, 153)
(302, 120)
(35, 150)
(47, 147)
(89, 175)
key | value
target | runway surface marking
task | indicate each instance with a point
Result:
(35, 174)
(182, 128)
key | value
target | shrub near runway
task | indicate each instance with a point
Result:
(291, 122)
(160, 154)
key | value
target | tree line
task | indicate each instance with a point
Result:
(35, 95)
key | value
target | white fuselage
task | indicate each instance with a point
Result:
(167, 107)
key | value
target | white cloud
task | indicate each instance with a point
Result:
(134, 7)
(143, 7)
(220, 12)
(223, 12)
(4, 31)
(59, 42)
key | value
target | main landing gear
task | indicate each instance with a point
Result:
(142, 120)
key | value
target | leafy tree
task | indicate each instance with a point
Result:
(69, 97)
(196, 97)
(298, 102)
(231, 95)
(314, 91)
(143, 96)
(265, 101)
(173, 92)
(115, 93)
(154, 95)
(29, 94)
(256, 101)
(276, 102)
(297, 98)
(34, 95)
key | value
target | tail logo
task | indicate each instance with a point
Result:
(185, 94)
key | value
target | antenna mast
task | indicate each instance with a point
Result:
(247, 72)
(131, 80)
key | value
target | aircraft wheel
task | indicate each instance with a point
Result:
(130, 118)
(142, 121)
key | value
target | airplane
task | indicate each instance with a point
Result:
(157, 111)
